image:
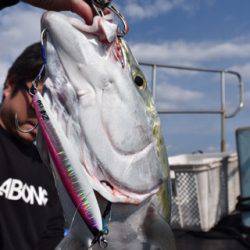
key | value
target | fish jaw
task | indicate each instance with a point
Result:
(118, 148)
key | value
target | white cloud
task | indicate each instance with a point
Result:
(141, 9)
(19, 28)
(186, 53)
(243, 69)
(170, 96)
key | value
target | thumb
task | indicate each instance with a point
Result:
(84, 10)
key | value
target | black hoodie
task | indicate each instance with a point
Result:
(31, 216)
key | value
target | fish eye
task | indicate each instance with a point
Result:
(140, 81)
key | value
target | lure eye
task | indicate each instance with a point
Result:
(140, 81)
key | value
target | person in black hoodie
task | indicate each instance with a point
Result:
(31, 216)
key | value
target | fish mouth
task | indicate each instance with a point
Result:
(113, 190)
(100, 175)
(114, 193)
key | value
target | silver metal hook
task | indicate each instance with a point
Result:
(42, 36)
(22, 130)
(124, 31)
(103, 243)
(98, 10)
(100, 5)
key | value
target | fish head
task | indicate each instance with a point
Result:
(101, 98)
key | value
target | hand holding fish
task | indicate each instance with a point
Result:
(79, 7)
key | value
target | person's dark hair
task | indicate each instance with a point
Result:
(25, 68)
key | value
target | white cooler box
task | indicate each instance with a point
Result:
(205, 189)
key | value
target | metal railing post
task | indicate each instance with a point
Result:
(154, 82)
(223, 118)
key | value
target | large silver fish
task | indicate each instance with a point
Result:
(102, 132)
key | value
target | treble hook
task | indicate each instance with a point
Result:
(100, 5)
(42, 38)
(103, 243)
(124, 31)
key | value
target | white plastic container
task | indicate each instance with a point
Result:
(206, 187)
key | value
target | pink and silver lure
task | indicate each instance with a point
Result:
(81, 193)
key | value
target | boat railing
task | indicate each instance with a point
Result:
(220, 111)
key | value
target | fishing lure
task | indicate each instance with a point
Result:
(81, 193)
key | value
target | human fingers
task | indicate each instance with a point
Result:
(83, 9)
(80, 7)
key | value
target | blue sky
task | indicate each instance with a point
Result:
(207, 33)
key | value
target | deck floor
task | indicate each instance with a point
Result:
(222, 237)
(186, 241)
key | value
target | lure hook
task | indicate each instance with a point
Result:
(100, 5)
(124, 31)
(42, 38)
(103, 243)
